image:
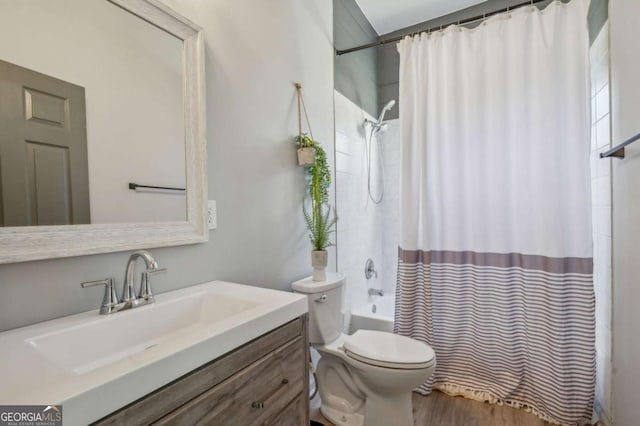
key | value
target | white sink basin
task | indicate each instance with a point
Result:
(94, 364)
(105, 342)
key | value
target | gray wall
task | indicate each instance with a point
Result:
(255, 50)
(355, 73)
(389, 59)
(598, 15)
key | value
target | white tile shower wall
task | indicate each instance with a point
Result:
(601, 204)
(359, 235)
(391, 205)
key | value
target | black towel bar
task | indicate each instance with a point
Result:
(135, 186)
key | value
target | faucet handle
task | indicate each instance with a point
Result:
(145, 284)
(106, 281)
(110, 298)
(370, 269)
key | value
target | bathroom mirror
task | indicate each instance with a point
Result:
(102, 131)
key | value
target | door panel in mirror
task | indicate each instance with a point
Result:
(43, 149)
(49, 189)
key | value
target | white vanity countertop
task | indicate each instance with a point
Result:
(94, 364)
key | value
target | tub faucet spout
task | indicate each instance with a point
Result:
(375, 292)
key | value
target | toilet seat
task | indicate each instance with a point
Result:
(388, 350)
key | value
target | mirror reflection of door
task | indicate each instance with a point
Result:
(43, 150)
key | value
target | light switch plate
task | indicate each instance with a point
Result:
(212, 214)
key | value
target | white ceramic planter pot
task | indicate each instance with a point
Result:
(319, 260)
(306, 157)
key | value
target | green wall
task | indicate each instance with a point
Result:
(355, 73)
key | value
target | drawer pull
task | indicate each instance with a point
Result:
(285, 381)
(257, 404)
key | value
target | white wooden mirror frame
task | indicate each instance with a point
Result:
(20, 244)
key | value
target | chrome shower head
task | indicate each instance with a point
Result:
(386, 108)
(378, 125)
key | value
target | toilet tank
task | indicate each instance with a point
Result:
(325, 302)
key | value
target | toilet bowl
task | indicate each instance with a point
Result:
(365, 378)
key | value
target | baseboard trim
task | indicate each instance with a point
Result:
(602, 416)
(604, 420)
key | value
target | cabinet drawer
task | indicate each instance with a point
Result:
(251, 396)
(293, 415)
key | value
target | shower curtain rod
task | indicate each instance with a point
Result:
(439, 27)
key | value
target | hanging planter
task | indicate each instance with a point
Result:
(320, 219)
(305, 143)
(306, 150)
(306, 156)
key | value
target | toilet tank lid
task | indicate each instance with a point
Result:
(307, 285)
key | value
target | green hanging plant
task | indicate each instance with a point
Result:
(320, 220)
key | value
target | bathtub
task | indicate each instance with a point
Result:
(376, 315)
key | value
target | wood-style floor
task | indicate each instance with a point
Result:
(439, 409)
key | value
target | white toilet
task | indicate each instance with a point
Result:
(365, 378)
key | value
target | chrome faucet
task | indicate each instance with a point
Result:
(375, 292)
(145, 295)
(129, 300)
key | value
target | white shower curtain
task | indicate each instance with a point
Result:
(495, 261)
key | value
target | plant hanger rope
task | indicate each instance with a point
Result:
(302, 108)
(319, 219)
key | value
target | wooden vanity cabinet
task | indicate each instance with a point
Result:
(264, 382)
